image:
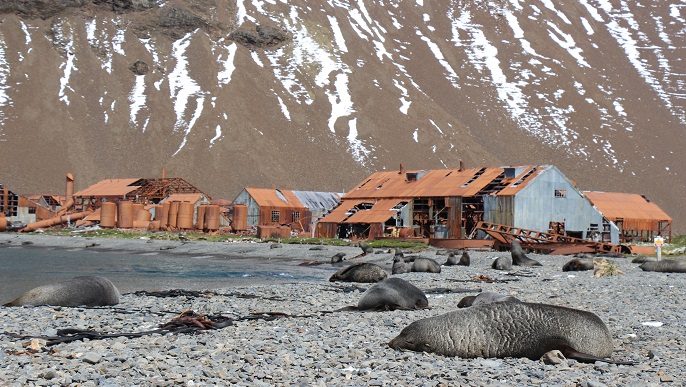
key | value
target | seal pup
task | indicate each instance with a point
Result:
(391, 294)
(83, 290)
(464, 259)
(427, 265)
(451, 260)
(666, 266)
(578, 265)
(519, 257)
(485, 298)
(510, 329)
(400, 266)
(360, 272)
(338, 257)
(366, 249)
(502, 263)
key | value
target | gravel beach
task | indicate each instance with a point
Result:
(286, 334)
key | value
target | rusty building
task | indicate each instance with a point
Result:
(137, 190)
(638, 218)
(448, 203)
(22, 210)
(298, 210)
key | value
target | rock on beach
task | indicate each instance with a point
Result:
(304, 343)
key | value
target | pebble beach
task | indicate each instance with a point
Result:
(288, 334)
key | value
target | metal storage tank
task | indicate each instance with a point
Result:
(137, 207)
(108, 215)
(200, 219)
(212, 214)
(3, 223)
(240, 217)
(125, 211)
(154, 225)
(163, 215)
(184, 218)
(143, 215)
(173, 213)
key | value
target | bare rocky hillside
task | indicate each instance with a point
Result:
(316, 95)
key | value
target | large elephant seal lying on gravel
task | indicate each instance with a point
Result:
(666, 266)
(83, 290)
(391, 294)
(360, 272)
(509, 329)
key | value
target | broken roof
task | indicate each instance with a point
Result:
(635, 211)
(192, 198)
(446, 182)
(109, 187)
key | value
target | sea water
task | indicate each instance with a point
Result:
(25, 267)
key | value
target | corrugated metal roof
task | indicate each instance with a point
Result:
(192, 198)
(339, 214)
(629, 207)
(439, 183)
(314, 200)
(380, 213)
(267, 197)
(110, 187)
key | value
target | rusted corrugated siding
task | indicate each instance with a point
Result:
(266, 197)
(339, 214)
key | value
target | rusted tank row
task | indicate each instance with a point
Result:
(168, 216)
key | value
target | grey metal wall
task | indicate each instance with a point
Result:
(535, 206)
(253, 209)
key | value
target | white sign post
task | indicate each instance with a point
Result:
(658, 242)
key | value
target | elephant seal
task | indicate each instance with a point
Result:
(578, 265)
(360, 272)
(83, 290)
(400, 266)
(666, 266)
(502, 263)
(426, 265)
(510, 329)
(485, 298)
(391, 294)
(519, 257)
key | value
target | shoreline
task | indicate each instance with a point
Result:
(310, 346)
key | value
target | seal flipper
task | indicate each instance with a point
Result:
(571, 353)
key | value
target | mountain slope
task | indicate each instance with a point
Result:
(317, 96)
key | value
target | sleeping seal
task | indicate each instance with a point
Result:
(400, 266)
(360, 272)
(578, 265)
(452, 259)
(485, 298)
(426, 265)
(666, 266)
(510, 329)
(84, 290)
(391, 294)
(519, 257)
(502, 263)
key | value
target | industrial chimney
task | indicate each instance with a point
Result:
(402, 169)
(70, 186)
(461, 166)
(164, 173)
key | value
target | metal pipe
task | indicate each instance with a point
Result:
(55, 221)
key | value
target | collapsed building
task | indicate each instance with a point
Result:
(450, 203)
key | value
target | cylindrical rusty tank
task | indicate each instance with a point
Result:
(154, 225)
(125, 214)
(142, 224)
(108, 215)
(240, 217)
(143, 215)
(212, 214)
(173, 212)
(137, 207)
(200, 218)
(184, 219)
(3, 223)
(163, 216)
(157, 212)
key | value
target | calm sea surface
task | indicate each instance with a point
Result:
(25, 267)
